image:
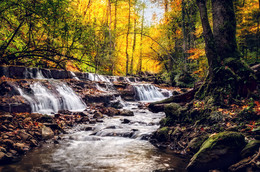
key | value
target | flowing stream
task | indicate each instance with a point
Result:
(117, 144)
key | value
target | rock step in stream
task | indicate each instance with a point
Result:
(118, 143)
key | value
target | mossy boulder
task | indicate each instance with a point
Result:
(172, 110)
(218, 152)
(162, 134)
(250, 149)
(195, 144)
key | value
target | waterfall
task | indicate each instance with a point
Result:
(146, 92)
(73, 75)
(47, 101)
(69, 98)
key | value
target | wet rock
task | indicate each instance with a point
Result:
(250, 149)
(126, 113)
(92, 121)
(17, 72)
(218, 152)
(125, 121)
(47, 133)
(97, 115)
(101, 98)
(156, 107)
(88, 128)
(116, 104)
(59, 74)
(110, 111)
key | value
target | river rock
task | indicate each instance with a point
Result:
(125, 121)
(116, 104)
(217, 152)
(47, 133)
(126, 113)
(155, 108)
(97, 115)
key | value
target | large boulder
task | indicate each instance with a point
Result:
(218, 152)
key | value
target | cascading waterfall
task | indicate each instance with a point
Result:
(69, 98)
(147, 92)
(47, 101)
(74, 75)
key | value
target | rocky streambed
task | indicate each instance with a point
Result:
(91, 123)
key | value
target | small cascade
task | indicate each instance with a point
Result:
(39, 75)
(74, 75)
(70, 101)
(93, 77)
(127, 79)
(147, 92)
(100, 88)
(48, 101)
(33, 73)
(103, 78)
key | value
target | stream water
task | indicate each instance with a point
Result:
(112, 145)
(117, 144)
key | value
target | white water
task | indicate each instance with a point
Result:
(48, 101)
(148, 92)
(74, 75)
(110, 146)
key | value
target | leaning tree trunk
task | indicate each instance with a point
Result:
(229, 77)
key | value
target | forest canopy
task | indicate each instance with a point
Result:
(112, 37)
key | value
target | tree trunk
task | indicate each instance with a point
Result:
(133, 50)
(229, 77)
(141, 45)
(208, 37)
(127, 35)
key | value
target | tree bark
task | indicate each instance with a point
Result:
(224, 28)
(127, 35)
(229, 76)
(208, 37)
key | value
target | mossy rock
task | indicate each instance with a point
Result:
(250, 149)
(162, 134)
(218, 152)
(195, 144)
(172, 110)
